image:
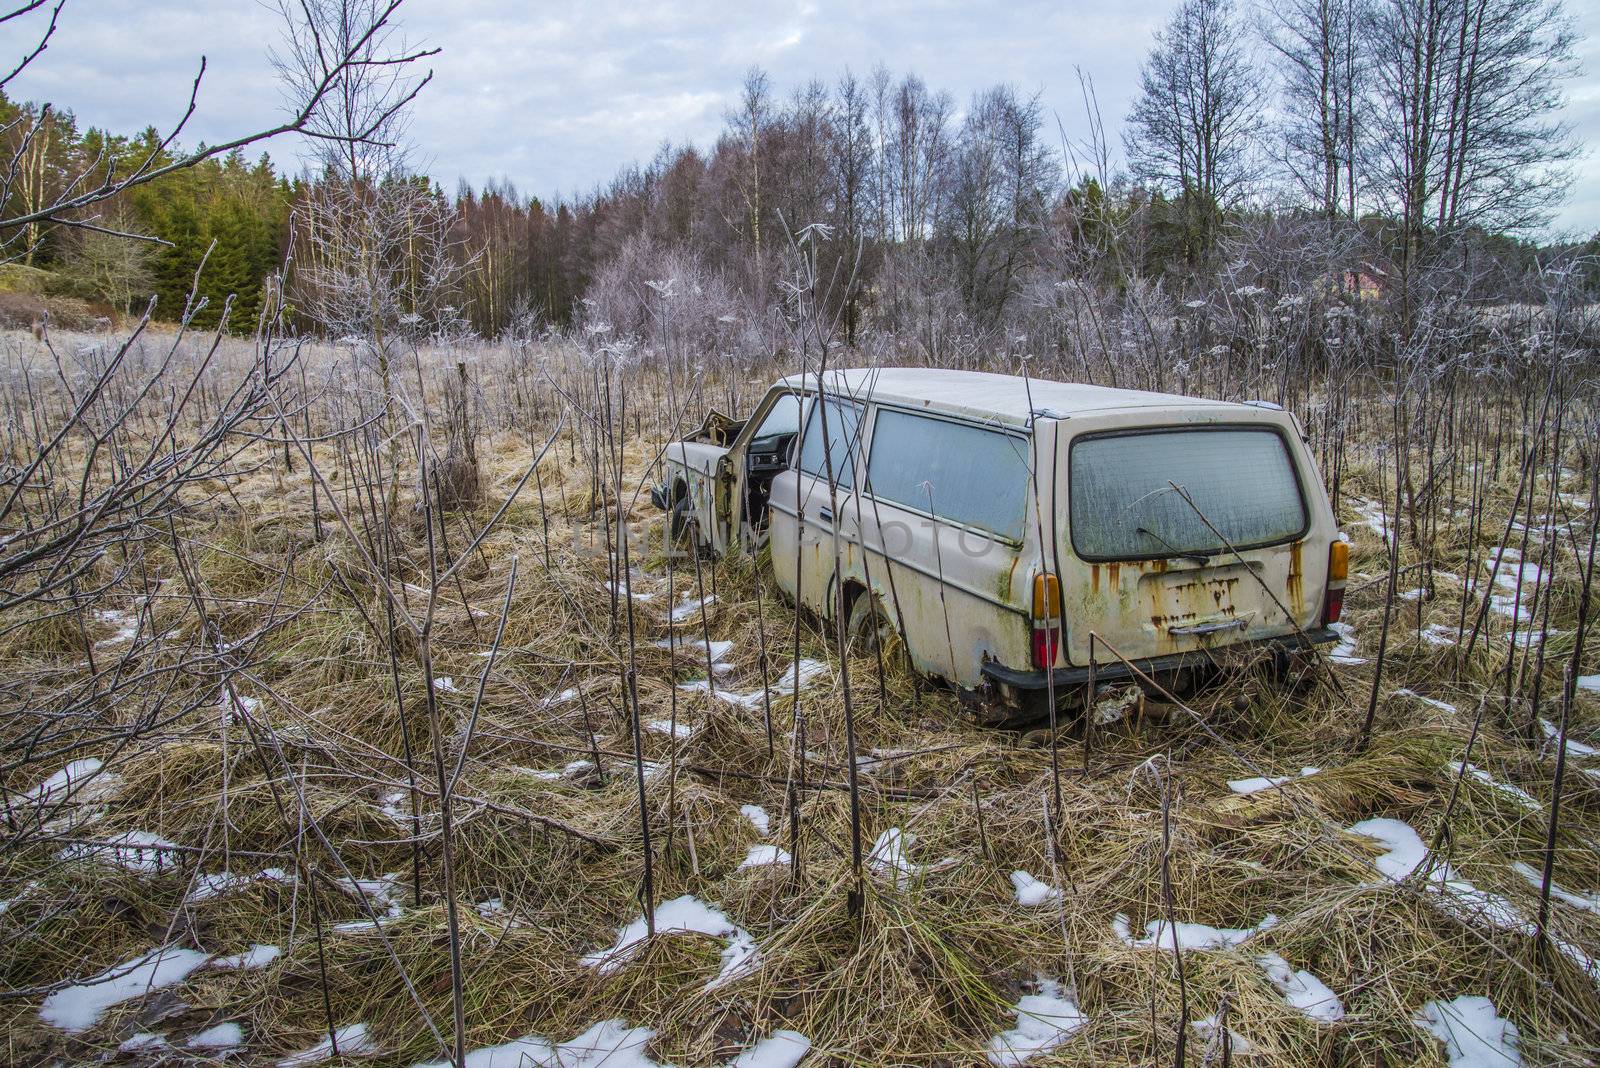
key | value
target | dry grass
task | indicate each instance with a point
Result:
(929, 971)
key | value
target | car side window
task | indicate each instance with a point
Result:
(844, 424)
(960, 472)
(782, 418)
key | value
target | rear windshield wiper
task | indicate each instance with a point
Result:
(1177, 554)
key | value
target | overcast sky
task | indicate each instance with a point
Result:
(558, 97)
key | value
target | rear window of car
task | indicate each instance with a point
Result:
(1124, 505)
(956, 471)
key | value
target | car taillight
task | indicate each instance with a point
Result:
(1338, 572)
(1046, 620)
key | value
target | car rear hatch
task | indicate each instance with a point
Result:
(1185, 537)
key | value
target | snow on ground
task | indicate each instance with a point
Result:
(757, 816)
(1303, 991)
(1516, 793)
(127, 624)
(354, 1040)
(80, 779)
(222, 1036)
(1405, 853)
(1374, 516)
(888, 859)
(803, 673)
(1432, 702)
(1508, 571)
(638, 594)
(692, 607)
(1474, 1035)
(1440, 634)
(1044, 1021)
(256, 957)
(1259, 783)
(445, 684)
(144, 1040)
(1589, 682)
(80, 1006)
(684, 915)
(613, 1044)
(138, 851)
(762, 855)
(385, 895)
(1574, 749)
(1209, 1029)
(677, 730)
(782, 1049)
(694, 651)
(1345, 651)
(219, 884)
(1191, 936)
(1589, 902)
(1031, 893)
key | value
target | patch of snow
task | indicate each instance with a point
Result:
(1474, 1035)
(1210, 1031)
(1432, 702)
(1589, 682)
(1303, 991)
(80, 778)
(1374, 516)
(80, 1006)
(1031, 893)
(757, 816)
(1589, 902)
(803, 674)
(354, 1040)
(762, 855)
(138, 851)
(1345, 651)
(142, 1041)
(445, 684)
(1190, 936)
(255, 958)
(1447, 891)
(1262, 782)
(1574, 749)
(222, 1036)
(684, 915)
(233, 705)
(888, 859)
(1516, 793)
(638, 594)
(781, 1049)
(1440, 634)
(127, 624)
(677, 730)
(1044, 1021)
(692, 608)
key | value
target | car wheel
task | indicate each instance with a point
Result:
(869, 632)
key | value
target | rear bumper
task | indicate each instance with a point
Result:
(1031, 681)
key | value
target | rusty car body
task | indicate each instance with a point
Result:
(1020, 537)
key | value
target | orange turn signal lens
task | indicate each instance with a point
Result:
(1338, 561)
(1046, 596)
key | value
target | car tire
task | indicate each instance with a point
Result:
(869, 631)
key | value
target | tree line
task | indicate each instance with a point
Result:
(1414, 138)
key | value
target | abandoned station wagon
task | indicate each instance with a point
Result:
(1007, 529)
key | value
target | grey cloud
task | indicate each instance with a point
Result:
(557, 98)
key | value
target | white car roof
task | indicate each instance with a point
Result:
(987, 396)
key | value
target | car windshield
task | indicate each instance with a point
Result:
(1126, 503)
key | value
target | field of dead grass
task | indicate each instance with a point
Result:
(273, 815)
